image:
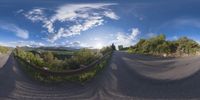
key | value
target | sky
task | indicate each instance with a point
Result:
(74, 23)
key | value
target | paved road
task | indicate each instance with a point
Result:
(3, 59)
(127, 77)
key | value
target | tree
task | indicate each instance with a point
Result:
(158, 46)
(20, 52)
(120, 47)
(3, 49)
(173, 46)
(38, 60)
(29, 56)
(113, 46)
(187, 46)
(48, 57)
(84, 56)
(105, 50)
(165, 48)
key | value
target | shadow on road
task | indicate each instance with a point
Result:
(130, 84)
(7, 81)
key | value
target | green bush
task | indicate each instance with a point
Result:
(105, 50)
(73, 63)
(80, 78)
(47, 59)
(158, 45)
(3, 49)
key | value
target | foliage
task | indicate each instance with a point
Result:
(80, 78)
(48, 61)
(120, 47)
(158, 45)
(113, 46)
(84, 56)
(187, 46)
(48, 57)
(105, 50)
(80, 57)
(3, 49)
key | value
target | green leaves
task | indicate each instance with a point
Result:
(3, 49)
(187, 46)
(158, 45)
(48, 56)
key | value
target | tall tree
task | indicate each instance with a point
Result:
(113, 46)
(48, 57)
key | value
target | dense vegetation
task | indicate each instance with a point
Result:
(158, 45)
(80, 78)
(47, 60)
(3, 49)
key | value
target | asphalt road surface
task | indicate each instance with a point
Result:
(127, 77)
(3, 59)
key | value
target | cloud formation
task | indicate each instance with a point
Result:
(22, 33)
(22, 43)
(72, 18)
(75, 44)
(127, 40)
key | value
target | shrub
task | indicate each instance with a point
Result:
(48, 57)
(80, 57)
(84, 56)
(73, 63)
(158, 45)
(3, 49)
(105, 50)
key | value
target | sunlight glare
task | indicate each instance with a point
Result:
(98, 46)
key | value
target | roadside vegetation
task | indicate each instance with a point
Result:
(48, 61)
(3, 50)
(78, 78)
(158, 45)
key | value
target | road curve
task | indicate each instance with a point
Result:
(127, 77)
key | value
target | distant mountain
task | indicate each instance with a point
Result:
(58, 48)
(29, 48)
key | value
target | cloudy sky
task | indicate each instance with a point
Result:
(95, 23)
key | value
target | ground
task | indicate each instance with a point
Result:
(127, 77)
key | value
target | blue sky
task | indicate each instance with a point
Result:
(95, 23)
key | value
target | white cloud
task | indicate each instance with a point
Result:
(22, 43)
(35, 15)
(20, 11)
(74, 18)
(111, 15)
(75, 44)
(15, 29)
(72, 11)
(127, 40)
(135, 32)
